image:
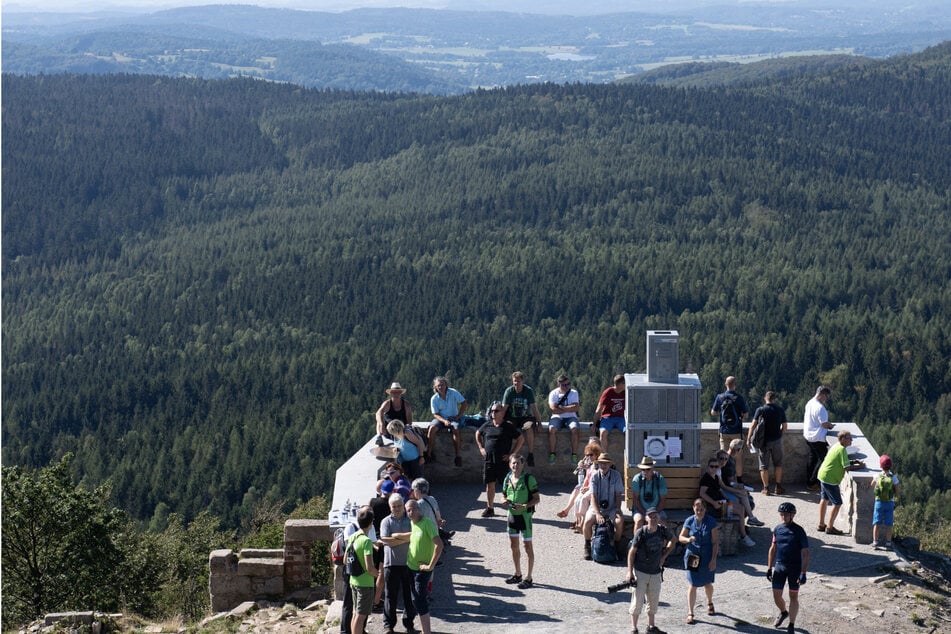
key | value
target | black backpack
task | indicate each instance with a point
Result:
(352, 566)
(728, 410)
(759, 433)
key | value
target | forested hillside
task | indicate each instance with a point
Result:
(208, 284)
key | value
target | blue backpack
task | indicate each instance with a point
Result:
(602, 544)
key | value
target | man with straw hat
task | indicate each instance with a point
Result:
(649, 489)
(606, 493)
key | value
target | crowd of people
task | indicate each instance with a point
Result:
(401, 535)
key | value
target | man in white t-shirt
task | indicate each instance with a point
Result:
(564, 403)
(815, 424)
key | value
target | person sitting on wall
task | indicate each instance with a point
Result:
(395, 407)
(732, 490)
(712, 494)
(410, 446)
(522, 411)
(610, 411)
(449, 408)
(564, 403)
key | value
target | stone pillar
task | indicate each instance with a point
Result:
(226, 587)
(299, 537)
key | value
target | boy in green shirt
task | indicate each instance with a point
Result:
(831, 472)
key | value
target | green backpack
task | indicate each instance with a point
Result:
(884, 488)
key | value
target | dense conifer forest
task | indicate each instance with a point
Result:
(208, 284)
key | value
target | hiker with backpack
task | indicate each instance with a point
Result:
(886, 492)
(731, 408)
(766, 436)
(359, 566)
(605, 514)
(520, 492)
(650, 546)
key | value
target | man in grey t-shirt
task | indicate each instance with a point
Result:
(394, 533)
(649, 549)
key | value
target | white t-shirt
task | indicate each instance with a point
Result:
(815, 415)
(554, 398)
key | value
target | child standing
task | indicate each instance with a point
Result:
(886, 492)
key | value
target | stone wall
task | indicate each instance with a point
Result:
(281, 574)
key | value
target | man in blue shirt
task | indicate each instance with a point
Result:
(448, 407)
(787, 561)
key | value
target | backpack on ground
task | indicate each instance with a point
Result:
(884, 487)
(728, 410)
(338, 547)
(602, 543)
(352, 566)
(759, 433)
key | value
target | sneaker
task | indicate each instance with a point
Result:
(782, 617)
(752, 521)
(780, 490)
(458, 461)
(488, 512)
(531, 459)
(527, 583)
(832, 530)
(514, 579)
(574, 458)
(551, 458)
(746, 541)
(791, 628)
(878, 545)
(889, 545)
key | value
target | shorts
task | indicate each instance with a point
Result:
(884, 513)
(363, 599)
(493, 472)
(611, 422)
(771, 452)
(523, 422)
(781, 576)
(726, 438)
(526, 532)
(452, 426)
(420, 590)
(560, 422)
(731, 497)
(830, 493)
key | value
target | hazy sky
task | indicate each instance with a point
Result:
(571, 7)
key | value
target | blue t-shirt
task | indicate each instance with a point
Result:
(790, 539)
(449, 406)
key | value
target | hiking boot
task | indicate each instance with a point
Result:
(551, 458)
(752, 521)
(780, 490)
(531, 459)
(488, 512)
(782, 617)
(587, 549)
(791, 628)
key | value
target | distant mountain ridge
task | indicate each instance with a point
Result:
(446, 51)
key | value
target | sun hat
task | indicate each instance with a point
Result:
(647, 463)
(604, 457)
(395, 388)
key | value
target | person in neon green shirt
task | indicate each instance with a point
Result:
(425, 548)
(363, 586)
(831, 472)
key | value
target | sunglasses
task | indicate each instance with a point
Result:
(493, 411)
(566, 383)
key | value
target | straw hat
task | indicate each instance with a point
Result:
(647, 463)
(395, 388)
(604, 457)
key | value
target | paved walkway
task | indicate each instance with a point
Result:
(570, 594)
